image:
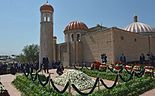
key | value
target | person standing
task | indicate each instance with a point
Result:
(45, 64)
(152, 59)
(142, 59)
(60, 69)
(104, 58)
(123, 59)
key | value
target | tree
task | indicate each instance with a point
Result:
(30, 54)
(21, 58)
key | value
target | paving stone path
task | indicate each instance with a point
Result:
(149, 93)
(7, 79)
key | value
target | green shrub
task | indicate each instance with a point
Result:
(108, 74)
(29, 88)
(132, 88)
(104, 75)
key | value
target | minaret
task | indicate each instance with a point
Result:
(46, 32)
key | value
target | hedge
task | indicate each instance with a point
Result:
(134, 87)
(29, 88)
(109, 75)
(104, 75)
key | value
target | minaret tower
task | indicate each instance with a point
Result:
(46, 32)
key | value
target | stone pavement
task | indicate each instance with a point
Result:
(7, 79)
(149, 93)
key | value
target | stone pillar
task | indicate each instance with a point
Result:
(54, 48)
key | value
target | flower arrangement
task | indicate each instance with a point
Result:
(136, 68)
(78, 78)
(118, 65)
(127, 67)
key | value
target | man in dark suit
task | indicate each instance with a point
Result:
(45, 64)
(123, 59)
(142, 59)
(104, 58)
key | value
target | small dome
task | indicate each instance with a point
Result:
(138, 27)
(46, 7)
(76, 25)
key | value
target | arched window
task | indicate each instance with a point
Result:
(72, 37)
(78, 37)
(48, 19)
(44, 18)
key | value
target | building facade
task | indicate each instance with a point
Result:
(83, 44)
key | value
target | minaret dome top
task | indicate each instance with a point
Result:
(46, 7)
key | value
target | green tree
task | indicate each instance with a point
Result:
(30, 54)
(21, 58)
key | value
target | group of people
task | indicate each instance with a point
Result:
(45, 63)
(142, 59)
(17, 67)
(121, 59)
(148, 59)
(3, 68)
(58, 65)
(13, 68)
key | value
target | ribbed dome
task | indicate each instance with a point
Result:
(46, 7)
(138, 27)
(76, 25)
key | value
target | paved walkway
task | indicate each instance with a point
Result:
(149, 93)
(7, 79)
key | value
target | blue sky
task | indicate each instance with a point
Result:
(20, 19)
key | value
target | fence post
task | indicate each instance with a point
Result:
(1, 90)
(1, 87)
(69, 90)
(134, 75)
(98, 82)
(118, 77)
(49, 80)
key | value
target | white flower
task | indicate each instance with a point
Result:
(78, 78)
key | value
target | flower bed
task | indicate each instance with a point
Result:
(78, 78)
